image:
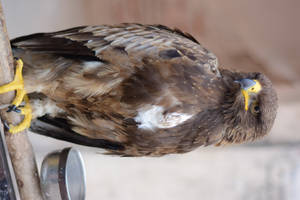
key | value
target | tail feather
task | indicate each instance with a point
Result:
(57, 128)
(47, 43)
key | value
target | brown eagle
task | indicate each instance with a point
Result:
(139, 90)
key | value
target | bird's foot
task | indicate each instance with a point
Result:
(18, 85)
(23, 110)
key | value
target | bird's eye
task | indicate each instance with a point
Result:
(255, 108)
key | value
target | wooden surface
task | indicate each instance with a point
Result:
(18, 145)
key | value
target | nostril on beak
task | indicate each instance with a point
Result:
(246, 83)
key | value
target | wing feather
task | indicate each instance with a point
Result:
(101, 42)
(111, 71)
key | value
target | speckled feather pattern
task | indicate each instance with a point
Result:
(142, 89)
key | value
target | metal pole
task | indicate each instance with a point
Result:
(8, 185)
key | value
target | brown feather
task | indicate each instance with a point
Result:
(149, 88)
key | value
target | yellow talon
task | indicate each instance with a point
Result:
(26, 111)
(18, 85)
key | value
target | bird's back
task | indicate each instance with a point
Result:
(137, 86)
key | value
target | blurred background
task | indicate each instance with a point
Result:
(256, 35)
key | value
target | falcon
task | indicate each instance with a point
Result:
(135, 90)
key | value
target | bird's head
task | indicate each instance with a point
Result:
(251, 110)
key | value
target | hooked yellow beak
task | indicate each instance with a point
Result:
(249, 87)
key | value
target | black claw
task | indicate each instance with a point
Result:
(6, 126)
(17, 110)
(13, 108)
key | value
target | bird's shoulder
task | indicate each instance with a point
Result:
(134, 58)
(120, 44)
(135, 41)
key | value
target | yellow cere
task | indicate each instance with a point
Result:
(254, 89)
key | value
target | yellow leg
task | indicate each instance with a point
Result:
(19, 97)
(18, 85)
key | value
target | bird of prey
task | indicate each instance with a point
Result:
(137, 90)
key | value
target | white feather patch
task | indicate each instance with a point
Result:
(43, 107)
(92, 64)
(152, 118)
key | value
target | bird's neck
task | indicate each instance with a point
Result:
(232, 107)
